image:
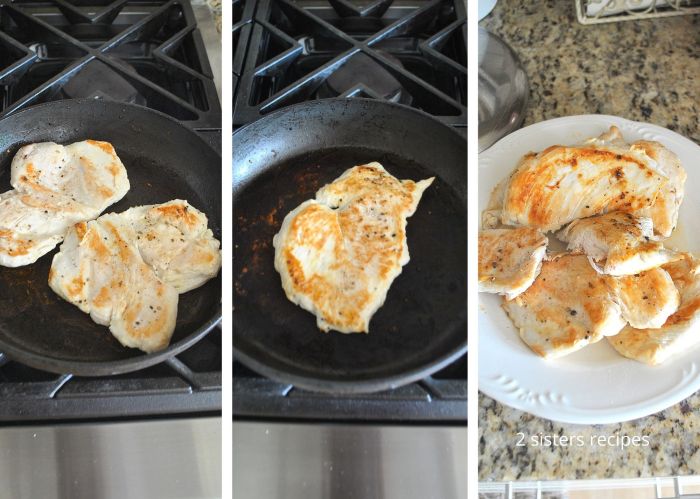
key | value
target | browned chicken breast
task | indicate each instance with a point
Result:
(175, 241)
(646, 299)
(564, 183)
(338, 254)
(99, 269)
(618, 201)
(664, 211)
(617, 243)
(55, 187)
(680, 332)
(570, 305)
(126, 269)
(510, 259)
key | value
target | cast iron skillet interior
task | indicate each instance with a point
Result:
(281, 161)
(164, 160)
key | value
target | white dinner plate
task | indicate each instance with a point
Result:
(595, 385)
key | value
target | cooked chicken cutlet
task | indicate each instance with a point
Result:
(570, 305)
(55, 187)
(682, 329)
(563, 183)
(338, 254)
(510, 259)
(664, 211)
(174, 240)
(100, 270)
(33, 224)
(491, 216)
(127, 269)
(617, 243)
(647, 299)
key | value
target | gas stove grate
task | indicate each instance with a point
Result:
(438, 398)
(190, 382)
(242, 24)
(148, 53)
(413, 53)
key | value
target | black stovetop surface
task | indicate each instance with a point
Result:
(144, 52)
(412, 52)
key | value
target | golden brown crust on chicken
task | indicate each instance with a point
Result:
(338, 254)
(618, 200)
(680, 332)
(54, 188)
(647, 299)
(174, 239)
(568, 307)
(99, 269)
(562, 183)
(127, 269)
(510, 259)
(617, 243)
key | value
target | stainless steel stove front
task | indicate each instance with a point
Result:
(335, 461)
(166, 459)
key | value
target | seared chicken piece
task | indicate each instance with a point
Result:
(617, 243)
(100, 270)
(127, 269)
(561, 184)
(647, 299)
(664, 211)
(682, 329)
(510, 259)
(31, 225)
(491, 216)
(88, 172)
(55, 187)
(568, 307)
(174, 239)
(338, 254)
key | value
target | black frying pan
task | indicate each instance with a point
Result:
(164, 160)
(280, 161)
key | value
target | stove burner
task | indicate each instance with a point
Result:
(347, 8)
(360, 27)
(362, 76)
(98, 81)
(412, 52)
(148, 53)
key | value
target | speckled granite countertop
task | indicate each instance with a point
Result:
(641, 70)
(645, 71)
